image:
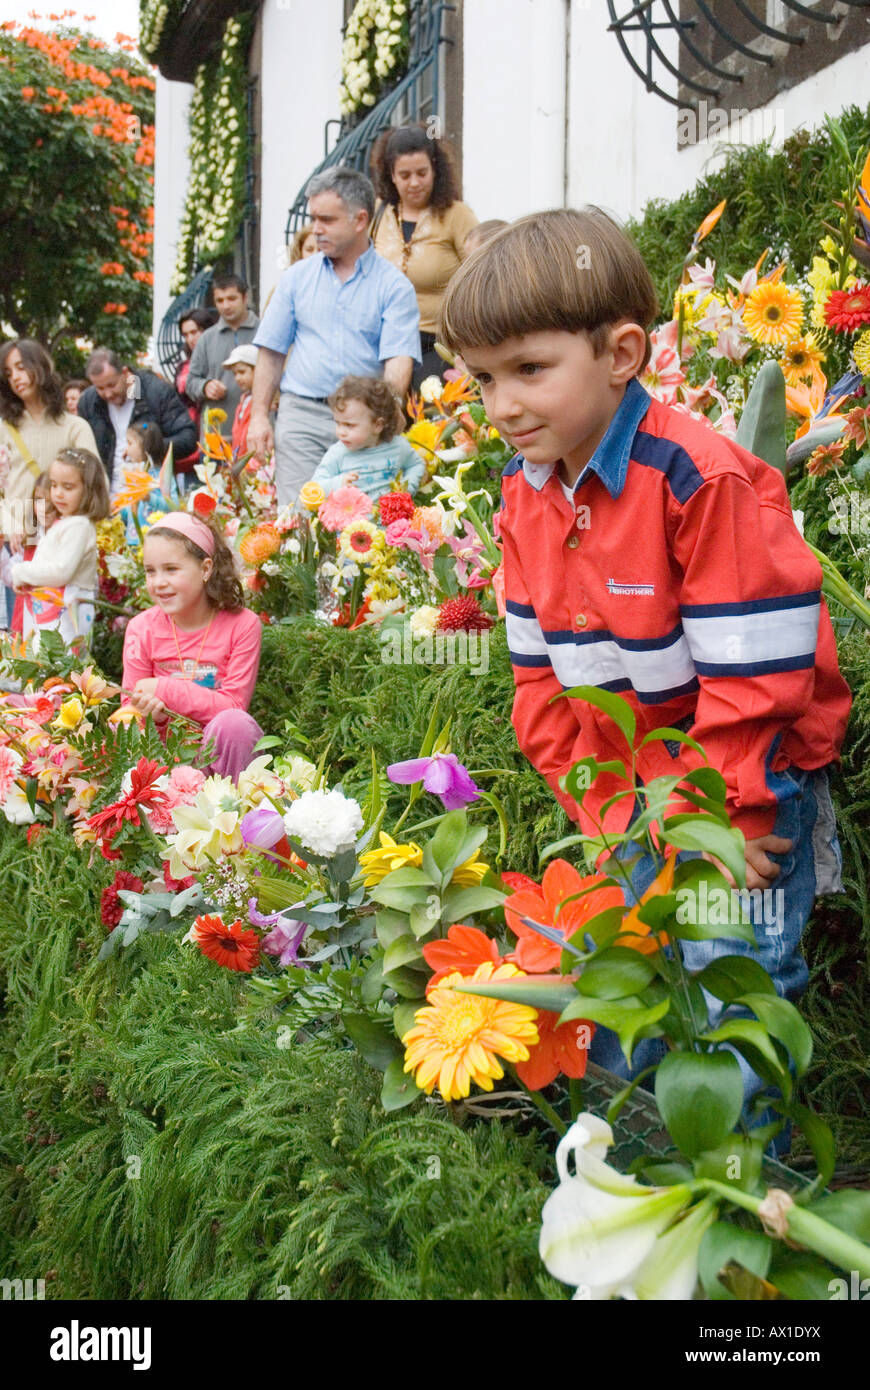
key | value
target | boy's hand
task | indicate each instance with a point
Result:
(761, 872)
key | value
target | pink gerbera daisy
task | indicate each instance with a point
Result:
(10, 765)
(345, 505)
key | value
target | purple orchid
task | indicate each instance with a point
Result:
(262, 828)
(259, 919)
(442, 774)
(284, 939)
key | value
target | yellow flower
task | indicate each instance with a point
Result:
(861, 352)
(83, 834)
(258, 780)
(470, 874)
(458, 1038)
(311, 495)
(111, 535)
(71, 714)
(773, 313)
(92, 687)
(125, 715)
(425, 434)
(361, 541)
(801, 360)
(377, 863)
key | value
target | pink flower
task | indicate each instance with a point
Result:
(663, 373)
(10, 764)
(397, 531)
(184, 783)
(703, 276)
(343, 506)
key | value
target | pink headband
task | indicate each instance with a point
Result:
(187, 525)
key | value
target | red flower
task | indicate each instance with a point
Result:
(108, 822)
(464, 950)
(562, 1048)
(847, 310)
(203, 503)
(395, 506)
(561, 880)
(236, 947)
(518, 881)
(34, 831)
(176, 885)
(111, 907)
(857, 427)
(462, 615)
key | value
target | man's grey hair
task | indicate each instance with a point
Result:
(353, 188)
(100, 359)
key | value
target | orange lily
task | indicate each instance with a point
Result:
(218, 448)
(806, 401)
(709, 223)
(640, 933)
(457, 391)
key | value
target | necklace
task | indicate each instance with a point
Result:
(184, 676)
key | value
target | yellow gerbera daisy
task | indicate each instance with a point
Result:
(425, 434)
(361, 541)
(801, 360)
(861, 353)
(458, 1038)
(470, 874)
(377, 863)
(773, 314)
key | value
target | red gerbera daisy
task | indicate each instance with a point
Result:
(847, 310)
(562, 1048)
(108, 822)
(464, 950)
(235, 946)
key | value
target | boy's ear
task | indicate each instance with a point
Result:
(628, 347)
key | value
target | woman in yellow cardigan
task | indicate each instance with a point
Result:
(420, 224)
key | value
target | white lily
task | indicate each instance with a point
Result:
(452, 490)
(669, 1274)
(258, 780)
(599, 1226)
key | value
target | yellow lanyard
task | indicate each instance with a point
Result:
(184, 675)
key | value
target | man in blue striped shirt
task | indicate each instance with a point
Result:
(344, 311)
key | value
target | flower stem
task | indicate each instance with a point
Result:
(805, 1227)
(537, 1100)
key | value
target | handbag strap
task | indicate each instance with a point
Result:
(26, 455)
(377, 219)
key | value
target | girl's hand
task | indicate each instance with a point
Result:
(147, 686)
(16, 543)
(350, 478)
(144, 698)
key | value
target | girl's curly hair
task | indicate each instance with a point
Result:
(377, 397)
(223, 586)
(413, 139)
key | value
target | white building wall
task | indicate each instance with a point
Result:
(171, 169)
(513, 119)
(299, 91)
(622, 140)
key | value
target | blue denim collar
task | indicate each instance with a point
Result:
(610, 460)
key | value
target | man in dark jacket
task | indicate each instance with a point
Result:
(119, 396)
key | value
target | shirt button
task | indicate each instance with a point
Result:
(581, 620)
(573, 542)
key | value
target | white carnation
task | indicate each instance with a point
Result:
(431, 389)
(324, 822)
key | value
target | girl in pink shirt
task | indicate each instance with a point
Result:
(197, 651)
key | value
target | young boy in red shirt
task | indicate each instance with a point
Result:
(645, 553)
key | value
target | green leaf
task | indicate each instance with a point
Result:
(710, 781)
(405, 1016)
(410, 982)
(453, 843)
(672, 736)
(551, 992)
(131, 932)
(374, 1040)
(782, 1019)
(848, 1210)
(401, 898)
(627, 1017)
(429, 736)
(700, 1096)
(615, 972)
(399, 1088)
(390, 925)
(743, 1033)
(425, 917)
(609, 703)
(805, 1279)
(709, 837)
(579, 779)
(723, 1242)
(498, 807)
(819, 1137)
(459, 903)
(600, 928)
(727, 977)
(403, 878)
(373, 983)
(401, 952)
(737, 1162)
(706, 908)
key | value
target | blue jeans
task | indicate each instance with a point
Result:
(805, 816)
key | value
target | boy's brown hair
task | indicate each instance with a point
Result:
(377, 397)
(569, 270)
(95, 498)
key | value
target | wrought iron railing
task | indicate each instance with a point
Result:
(416, 91)
(170, 345)
(655, 20)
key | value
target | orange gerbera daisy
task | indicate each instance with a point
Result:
(464, 949)
(561, 880)
(260, 544)
(773, 313)
(458, 1038)
(235, 946)
(801, 360)
(562, 1050)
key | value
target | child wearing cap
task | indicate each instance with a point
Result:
(241, 362)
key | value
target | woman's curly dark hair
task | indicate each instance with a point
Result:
(223, 585)
(413, 139)
(41, 368)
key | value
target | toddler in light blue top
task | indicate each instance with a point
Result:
(371, 452)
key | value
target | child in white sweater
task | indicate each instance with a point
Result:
(60, 582)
